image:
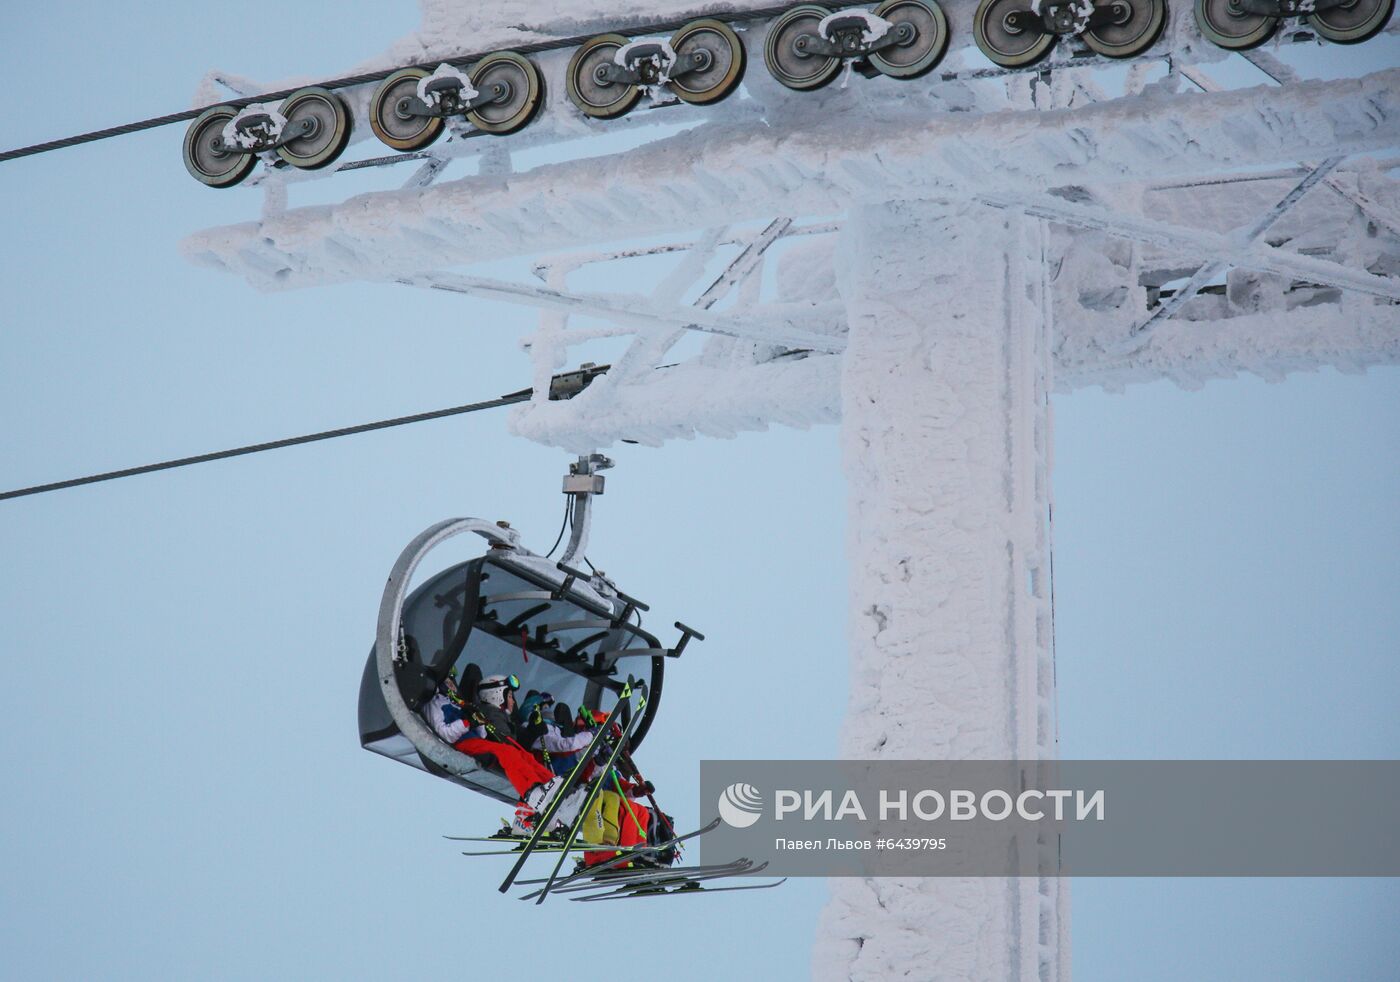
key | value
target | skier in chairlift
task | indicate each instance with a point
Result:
(538, 727)
(482, 727)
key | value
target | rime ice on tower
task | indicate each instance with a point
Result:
(950, 246)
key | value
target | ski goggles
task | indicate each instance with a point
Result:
(509, 682)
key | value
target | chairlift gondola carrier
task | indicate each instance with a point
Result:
(509, 611)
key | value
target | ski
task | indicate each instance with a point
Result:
(488, 838)
(516, 852)
(542, 821)
(635, 895)
(592, 792)
(681, 881)
(503, 834)
(632, 877)
(626, 856)
(584, 881)
(738, 867)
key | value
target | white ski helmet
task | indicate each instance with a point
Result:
(493, 689)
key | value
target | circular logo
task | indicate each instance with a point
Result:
(740, 805)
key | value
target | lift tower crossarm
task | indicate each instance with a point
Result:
(628, 310)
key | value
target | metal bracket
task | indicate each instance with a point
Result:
(650, 63)
(570, 575)
(500, 598)
(844, 35)
(543, 631)
(686, 634)
(1285, 8)
(566, 385)
(632, 604)
(449, 101)
(261, 131)
(1066, 19)
(582, 482)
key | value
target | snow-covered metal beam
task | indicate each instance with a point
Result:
(577, 260)
(744, 264)
(1210, 270)
(688, 400)
(1197, 243)
(818, 162)
(1282, 74)
(692, 399)
(629, 310)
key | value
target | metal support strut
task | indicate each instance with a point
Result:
(258, 130)
(1286, 8)
(582, 482)
(1070, 18)
(651, 63)
(853, 34)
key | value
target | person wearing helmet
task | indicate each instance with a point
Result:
(486, 731)
(483, 728)
(495, 698)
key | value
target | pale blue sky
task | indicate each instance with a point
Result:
(185, 791)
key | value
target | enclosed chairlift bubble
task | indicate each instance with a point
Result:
(507, 612)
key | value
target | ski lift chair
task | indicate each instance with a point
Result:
(507, 612)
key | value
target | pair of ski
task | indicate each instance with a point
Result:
(638, 882)
(545, 818)
(555, 844)
(659, 882)
(649, 881)
(617, 867)
(626, 881)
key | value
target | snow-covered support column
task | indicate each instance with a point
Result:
(946, 441)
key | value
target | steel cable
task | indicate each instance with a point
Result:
(273, 445)
(460, 61)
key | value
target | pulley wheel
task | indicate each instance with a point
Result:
(917, 55)
(1006, 46)
(395, 127)
(1354, 22)
(330, 129)
(726, 61)
(520, 88)
(1135, 27)
(206, 158)
(1226, 24)
(784, 54)
(599, 98)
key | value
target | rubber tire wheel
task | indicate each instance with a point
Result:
(1143, 30)
(393, 131)
(203, 165)
(326, 144)
(783, 31)
(1351, 30)
(994, 12)
(930, 25)
(516, 114)
(717, 81)
(594, 52)
(1233, 32)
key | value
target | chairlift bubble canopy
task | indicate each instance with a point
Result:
(507, 612)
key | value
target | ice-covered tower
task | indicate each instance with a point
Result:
(950, 251)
